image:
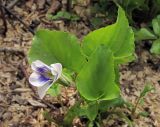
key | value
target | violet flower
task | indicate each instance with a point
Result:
(44, 76)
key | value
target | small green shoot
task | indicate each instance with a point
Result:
(144, 114)
(148, 34)
(148, 88)
(63, 15)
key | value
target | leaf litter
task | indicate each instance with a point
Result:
(18, 107)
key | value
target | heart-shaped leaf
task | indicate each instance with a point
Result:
(96, 80)
(55, 46)
(144, 34)
(155, 49)
(119, 37)
(156, 25)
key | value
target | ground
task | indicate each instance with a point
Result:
(19, 104)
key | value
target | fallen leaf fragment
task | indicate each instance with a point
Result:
(36, 103)
(19, 90)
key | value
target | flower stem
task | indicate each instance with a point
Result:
(64, 80)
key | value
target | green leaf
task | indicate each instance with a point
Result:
(91, 124)
(69, 75)
(146, 89)
(96, 80)
(156, 25)
(119, 37)
(60, 14)
(121, 60)
(63, 15)
(155, 47)
(106, 104)
(129, 105)
(144, 34)
(75, 17)
(130, 5)
(54, 90)
(96, 22)
(117, 74)
(141, 101)
(158, 1)
(72, 113)
(144, 114)
(55, 46)
(91, 111)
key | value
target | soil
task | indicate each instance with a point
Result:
(19, 104)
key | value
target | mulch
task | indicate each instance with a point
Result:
(19, 105)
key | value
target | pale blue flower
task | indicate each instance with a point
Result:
(44, 76)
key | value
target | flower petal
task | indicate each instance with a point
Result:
(43, 89)
(56, 70)
(37, 79)
(40, 67)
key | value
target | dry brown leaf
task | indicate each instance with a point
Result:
(36, 103)
(54, 6)
(41, 4)
(19, 90)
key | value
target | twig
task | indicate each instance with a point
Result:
(4, 19)
(27, 27)
(69, 4)
(46, 103)
(12, 50)
(12, 4)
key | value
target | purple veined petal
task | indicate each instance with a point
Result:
(38, 80)
(43, 89)
(56, 70)
(40, 67)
